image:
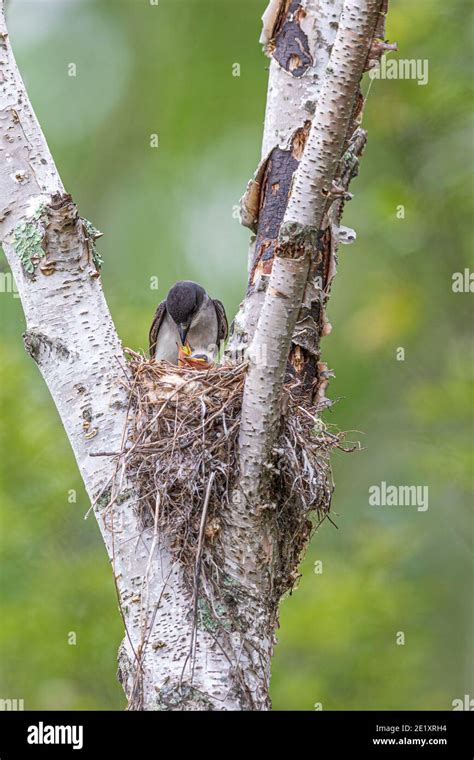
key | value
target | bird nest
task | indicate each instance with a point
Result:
(182, 450)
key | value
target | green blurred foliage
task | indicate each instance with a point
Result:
(168, 212)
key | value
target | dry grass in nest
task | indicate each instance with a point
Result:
(182, 449)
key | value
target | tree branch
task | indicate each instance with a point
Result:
(311, 191)
(293, 91)
(50, 250)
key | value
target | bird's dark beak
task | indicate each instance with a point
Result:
(183, 331)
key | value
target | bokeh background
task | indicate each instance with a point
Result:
(168, 213)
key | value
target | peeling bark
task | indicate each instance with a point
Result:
(290, 45)
(276, 184)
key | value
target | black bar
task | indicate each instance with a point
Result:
(153, 734)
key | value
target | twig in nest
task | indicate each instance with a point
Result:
(197, 575)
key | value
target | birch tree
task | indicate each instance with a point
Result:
(312, 142)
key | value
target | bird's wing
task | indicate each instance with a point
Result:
(222, 324)
(155, 326)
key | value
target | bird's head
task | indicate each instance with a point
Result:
(182, 303)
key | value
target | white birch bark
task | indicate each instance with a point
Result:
(291, 102)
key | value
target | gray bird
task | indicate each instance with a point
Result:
(189, 315)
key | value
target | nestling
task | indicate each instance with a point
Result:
(188, 318)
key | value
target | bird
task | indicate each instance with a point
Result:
(188, 320)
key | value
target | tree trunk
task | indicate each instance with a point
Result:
(170, 659)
